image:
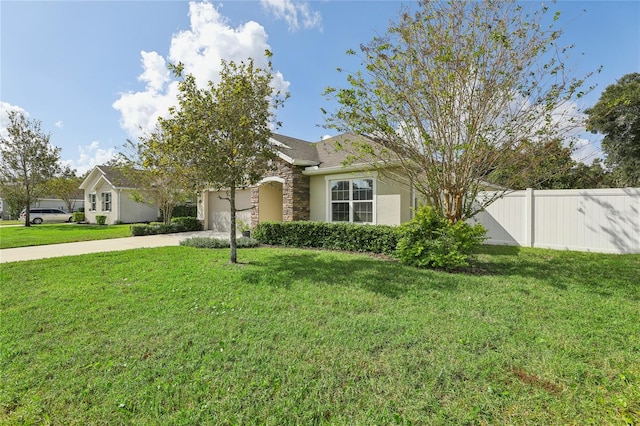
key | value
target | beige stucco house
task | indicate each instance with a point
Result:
(311, 183)
(107, 191)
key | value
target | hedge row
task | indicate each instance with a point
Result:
(215, 243)
(178, 224)
(335, 236)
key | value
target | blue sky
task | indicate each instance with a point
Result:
(95, 71)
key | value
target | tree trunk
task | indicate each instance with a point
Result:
(232, 233)
(27, 218)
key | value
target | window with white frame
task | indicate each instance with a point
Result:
(106, 201)
(352, 200)
(92, 202)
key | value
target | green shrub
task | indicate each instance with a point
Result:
(214, 243)
(101, 219)
(430, 240)
(187, 210)
(78, 217)
(179, 224)
(336, 236)
(140, 230)
(189, 223)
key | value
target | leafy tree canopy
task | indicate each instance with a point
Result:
(66, 186)
(219, 136)
(453, 91)
(27, 160)
(617, 116)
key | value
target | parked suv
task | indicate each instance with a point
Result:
(39, 215)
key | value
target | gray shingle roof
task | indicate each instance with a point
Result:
(332, 152)
(116, 176)
(296, 149)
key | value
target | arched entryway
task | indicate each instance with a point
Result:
(270, 200)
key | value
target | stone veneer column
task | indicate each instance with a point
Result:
(255, 202)
(295, 194)
(300, 195)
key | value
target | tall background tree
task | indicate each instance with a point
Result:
(27, 160)
(457, 91)
(617, 116)
(219, 135)
(66, 186)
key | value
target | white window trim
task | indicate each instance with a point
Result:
(351, 176)
(93, 202)
(103, 202)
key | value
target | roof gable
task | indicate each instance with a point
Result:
(295, 151)
(114, 176)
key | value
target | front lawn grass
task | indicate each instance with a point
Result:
(37, 235)
(176, 335)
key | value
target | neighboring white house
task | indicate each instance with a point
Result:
(107, 192)
(45, 202)
(57, 203)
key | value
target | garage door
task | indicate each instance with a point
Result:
(219, 215)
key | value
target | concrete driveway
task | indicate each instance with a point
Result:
(115, 244)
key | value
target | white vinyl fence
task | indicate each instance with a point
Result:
(598, 220)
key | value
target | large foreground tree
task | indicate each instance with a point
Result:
(458, 91)
(27, 160)
(617, 116)
(219, 135)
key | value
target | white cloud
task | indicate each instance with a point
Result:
(294, 13)
(200, 49)
(5, 108)
(59, 124)
(89, 156)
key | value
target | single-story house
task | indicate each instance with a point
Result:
(49, 201)
(107, 191)
(311, 183)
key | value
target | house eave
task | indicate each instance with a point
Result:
(315, 170)
(297, 162)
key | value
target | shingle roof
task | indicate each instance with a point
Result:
(296, 149)
(332, 152)
(117, 177)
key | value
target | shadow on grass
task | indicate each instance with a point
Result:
(385, 277)
(602, 274)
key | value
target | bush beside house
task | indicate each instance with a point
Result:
(178, 224)
(428, 240)
(336, 236)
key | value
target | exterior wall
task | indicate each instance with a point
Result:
(271, 202)
(123, 208)
(318, 198)
(129, 211)
(90, 215)
(56, 203)
(393, 204)
(295, 194)
(219, 216)
(599, 220)
(392, 199)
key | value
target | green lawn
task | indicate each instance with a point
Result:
(177, 335)
(36, 235)
(10, 223)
